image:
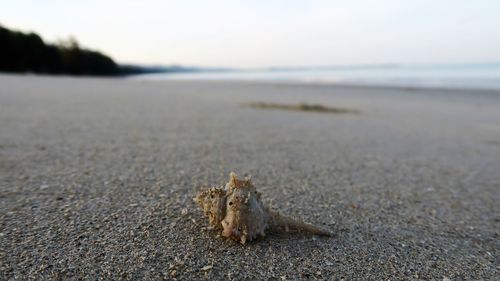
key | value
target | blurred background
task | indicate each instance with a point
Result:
(419, 43)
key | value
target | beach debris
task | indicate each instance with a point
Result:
(301, 107)
(237, 210)
(207, 267)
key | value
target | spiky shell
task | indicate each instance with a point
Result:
(239, 212)
(246, 217)
(213, 203)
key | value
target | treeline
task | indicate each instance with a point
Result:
(27, 52)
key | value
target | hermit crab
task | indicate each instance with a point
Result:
(237, 210)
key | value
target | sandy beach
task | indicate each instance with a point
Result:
(97, 178)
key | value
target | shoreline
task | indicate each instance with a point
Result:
(138, 78)
(322, 83)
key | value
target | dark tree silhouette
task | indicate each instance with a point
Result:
(27, 52)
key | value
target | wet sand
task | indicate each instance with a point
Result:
(96, 176)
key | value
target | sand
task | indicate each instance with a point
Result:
(97, 178)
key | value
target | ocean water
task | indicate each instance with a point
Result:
(478, 76)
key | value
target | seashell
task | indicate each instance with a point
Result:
(213, 202)
(237, 210)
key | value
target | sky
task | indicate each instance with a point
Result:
(264, 33)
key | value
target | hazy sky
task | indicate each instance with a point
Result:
(259, 33)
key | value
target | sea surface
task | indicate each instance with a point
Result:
(469, 76)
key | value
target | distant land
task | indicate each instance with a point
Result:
(150, 69)
(22, 52)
